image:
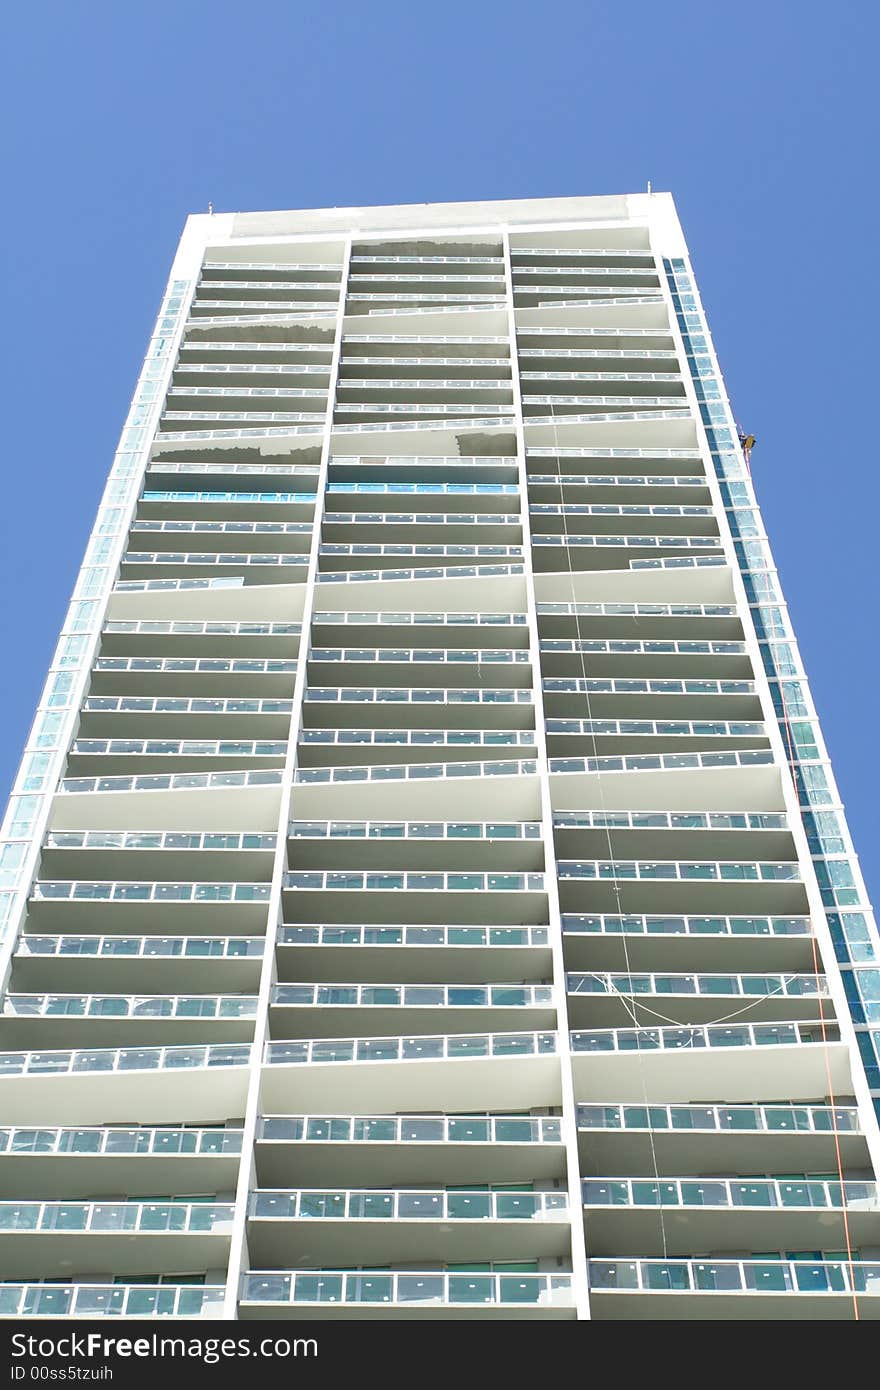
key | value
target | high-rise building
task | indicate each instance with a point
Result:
(426, 890)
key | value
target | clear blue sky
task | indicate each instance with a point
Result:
(123, 116)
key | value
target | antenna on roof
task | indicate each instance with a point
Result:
(210, 208)
(649, 185)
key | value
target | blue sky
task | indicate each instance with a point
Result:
(123, 117)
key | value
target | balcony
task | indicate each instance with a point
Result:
(413, 953)
(71, 1163)
(407, 1149)
(237, 908)
(416, 844)
(119, 963)
(88, 1086)
(608, 1000)
(712, 1138)
(654, 942)
(405, 1294)
(78, 1020)
(192, 676)
(691, 886)
(129, 1237)
(325, 1010)
(336, 747)
(367, 897)
(512, 1071)
(628, 1216)
(401, 1225)
(245, 854)
(58, 1300)
(751, 1062)
(800, 1290)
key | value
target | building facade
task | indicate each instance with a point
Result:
(425, 890)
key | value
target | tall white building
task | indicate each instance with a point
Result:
(426, 893)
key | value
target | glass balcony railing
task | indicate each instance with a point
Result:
(418, 738)
(488, 656)
(446, 551)
(230, 498)
(332, 935)
(540, 509)
(80, 890)
(688, 728)
(735, 1276)
(637, 610)
(664, 762)
(355, 360)
(173, 781)
(398, 489)
(285, 267)
(440, 461)
(368, 695)
(449, 1047)
(329, 289)
(435, 572)
(143, 947)
(355, 881)
(722, 1119)
(279, 416)
(593, 453)
(680, 562)
(316, 996)
(634, 647)
(395, 518)
(223, 528)
(104, 1217)
(159, 839)
(83, 1061)
(418, 619)
(180, 747)
(495, 413)
(409, 1288)
(404, 1205)
(715, 1193)
(145, 704)
(207, 628)
(557, 479)
(246, 432)
(631, 542)
(670, 820)
(257, 470)
(549, 374)
(703, 871)
(565, 685)
(131, 586)
(211, 557)
(407, 1129)
(524, 274)
(248, 393)
(101, 1142)
(654, 983)
(196, 665)
(414, 830)
(642, 685)
(413, 771)
(694, 1036)
(115, 1300)
(178, 1006)
(474, 382)
(635, 924)
(293, 369)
